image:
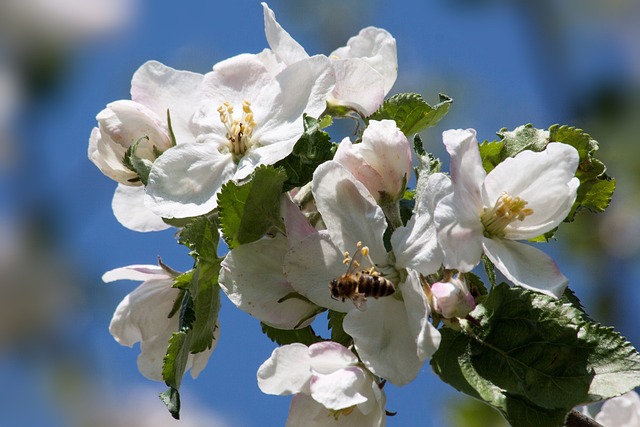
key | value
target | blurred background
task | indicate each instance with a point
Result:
(505, 63)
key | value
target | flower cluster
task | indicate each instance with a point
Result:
(387, 260)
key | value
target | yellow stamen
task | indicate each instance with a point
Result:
(239, 131)
(506, 210)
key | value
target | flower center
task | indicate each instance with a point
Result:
(506, 210)
(336, 413)
(239, 131)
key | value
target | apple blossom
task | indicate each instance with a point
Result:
(393, 336)
(330, 386)
(366, 68)
(143, 316)
(452, 298)
(246, 118)
(382, 161)
(522, 198)
(155, 89)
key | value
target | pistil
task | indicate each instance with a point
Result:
(239, 131)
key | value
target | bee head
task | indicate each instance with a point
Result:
(333, 287)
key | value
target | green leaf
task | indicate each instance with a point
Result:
(312, 149)
(534, 358)
(175, 361)
(411, 113)
(206, 305)
(171, 398)
(137, 164)
(337, 331)
(304, 335)
(201, 236)
(489, 269)
(249, 210)
(596, 188)
(491, 154)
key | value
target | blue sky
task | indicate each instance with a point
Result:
(501, 63)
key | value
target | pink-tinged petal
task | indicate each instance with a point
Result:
(287, 371)
(460, 242)
(296, 224)
(311, 265)
(526, 266)
(282, 44)
(467, 173)
(358, 86)
(162, 88)
(382, 336)
(349, 211)
(328, 357)
(186, 179)
(416, 244)
(252, 277)
(340, 389)
(545, 180)
(376, 47)
(306, 412)
(125, 122)
(427, 337)
(382, 161)
(107, 156)
(138, 272)
(130, 210)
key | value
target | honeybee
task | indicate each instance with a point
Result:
(358, 285)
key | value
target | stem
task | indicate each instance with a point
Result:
(577, 419)
(392, 212)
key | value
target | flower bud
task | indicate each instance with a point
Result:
(452, 298)
(382, 161)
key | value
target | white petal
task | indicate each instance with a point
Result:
(306, 412)
(282, 44)
(545, 180)
(107, 156)
(460, 242)
(130, 210)
(143, 314)
(378, 48)
(340, 389)
(127, 121)
(140, 272)
(186, 179)
(526, 266)
(252, 277)
(358, 86)
(383, 339)
(467, 173)
(416, 245)
(349, 211)
(328, 357)
(163, 88)
(287, 371)
(311, 265)
(621, 411)
(153, 350)
(427, 337)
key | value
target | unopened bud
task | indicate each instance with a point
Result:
(452, 298)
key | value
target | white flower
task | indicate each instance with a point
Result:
(143, 316)
(392, 335)
(452, 298)
(366, 68)
(329, 385)
(620, 411)
(522, 198)
(382, 161)
(247, 117)
(155, 89)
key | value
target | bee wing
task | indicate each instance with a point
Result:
(360, 301)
